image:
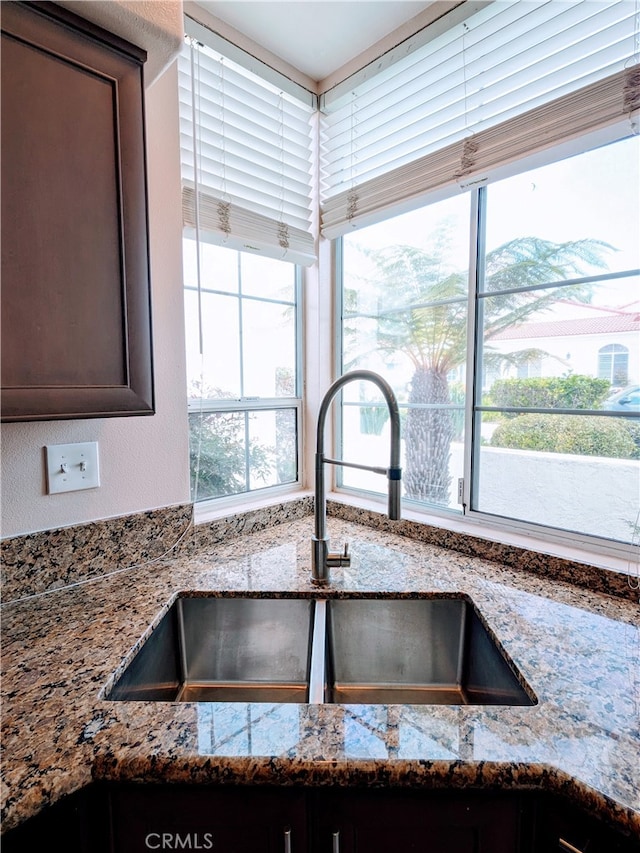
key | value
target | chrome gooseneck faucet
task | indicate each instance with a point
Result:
(321, 558)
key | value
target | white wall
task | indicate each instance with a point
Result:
(583, 351)
(589, 494)
(143, 460)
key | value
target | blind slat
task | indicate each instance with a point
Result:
(238, 228)
(596, 106)
(505, 62)
(249, 155)
(445, 125)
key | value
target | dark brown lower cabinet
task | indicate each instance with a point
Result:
(322, 821)
(561, 826)
(223, 819)
(382, 821)
(135, 818)
(78, 823)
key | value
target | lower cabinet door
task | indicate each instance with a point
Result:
(564, 828)
(224, 820)
(78, 823)
(430, 821)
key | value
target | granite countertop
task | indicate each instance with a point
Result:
(578, 649)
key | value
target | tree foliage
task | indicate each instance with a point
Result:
(588, 435)
(422, 312)
(567, 392)
(220, 462)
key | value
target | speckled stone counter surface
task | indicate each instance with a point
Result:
(578, 649)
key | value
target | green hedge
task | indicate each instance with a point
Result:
(567, 392)
(582, 436)
(633, 426)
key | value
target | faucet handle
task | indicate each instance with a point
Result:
(336, 559)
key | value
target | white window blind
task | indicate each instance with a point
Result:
(246, 158)
(512, 79)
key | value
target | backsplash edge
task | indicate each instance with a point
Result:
(50, 560)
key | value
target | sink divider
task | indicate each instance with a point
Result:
(317, 674)
(182, 645)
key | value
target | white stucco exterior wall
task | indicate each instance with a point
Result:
(582, 493)
(575, 353)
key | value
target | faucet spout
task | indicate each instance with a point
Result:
(321, 558)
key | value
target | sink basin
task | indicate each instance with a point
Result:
(224, 649)
(426, 651)
(352, 651)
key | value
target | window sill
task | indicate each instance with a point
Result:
(214, 510)
(503, 535)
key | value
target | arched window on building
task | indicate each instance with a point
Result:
(613, 364)
(529, 369)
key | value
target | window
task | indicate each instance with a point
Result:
(554, 272)
(529, 366)
(243, 389)
(405, 297)
(613, 364)
(246, 201)
(558, 276)
(486, 215)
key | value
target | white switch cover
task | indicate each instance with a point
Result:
(71, 467)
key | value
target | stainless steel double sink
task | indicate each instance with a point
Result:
(348, 650)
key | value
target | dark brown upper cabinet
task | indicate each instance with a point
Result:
(76, 315)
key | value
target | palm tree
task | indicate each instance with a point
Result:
(422, 312)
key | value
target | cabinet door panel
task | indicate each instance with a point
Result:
(76, 334)
(429, 821)
(76, 302)
(398, 836)
(561, 826)
(79, 823)
(226, 820)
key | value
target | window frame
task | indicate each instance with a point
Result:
(319, 354)
(469, 519)
(248, 405)
(613, 350)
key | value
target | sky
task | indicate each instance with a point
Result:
(594, 195)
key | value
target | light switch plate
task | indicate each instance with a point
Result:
(71, 467)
